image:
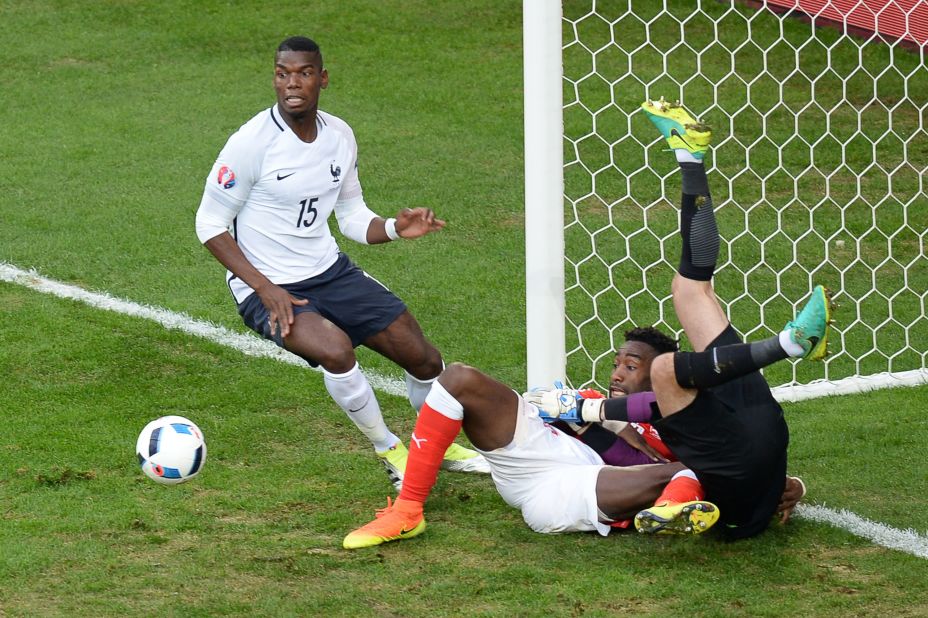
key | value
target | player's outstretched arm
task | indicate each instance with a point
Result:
(408, 223)
(416, 222)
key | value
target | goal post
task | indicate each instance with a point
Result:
(819, 172)
(544, 192)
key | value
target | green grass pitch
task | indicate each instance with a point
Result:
(111, 115)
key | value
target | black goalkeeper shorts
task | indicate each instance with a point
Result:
(734, 438)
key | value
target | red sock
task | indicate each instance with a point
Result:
(681, 489)
(432, 436)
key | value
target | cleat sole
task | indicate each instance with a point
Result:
(678, 127)
(691, 518)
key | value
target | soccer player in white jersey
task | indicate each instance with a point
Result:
(274, 185)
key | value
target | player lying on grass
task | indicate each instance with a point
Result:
(627, 444)
(712, 407)
(277, 182)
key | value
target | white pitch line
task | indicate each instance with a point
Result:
(907, 541)
(903, 540)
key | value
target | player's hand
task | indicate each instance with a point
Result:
(637, 441)
(555, 404)
(279, 304)
(793, 492)
(416, 222)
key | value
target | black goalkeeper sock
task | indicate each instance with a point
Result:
(719, 365)
(698, 229)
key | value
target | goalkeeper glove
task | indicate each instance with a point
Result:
(561, 404)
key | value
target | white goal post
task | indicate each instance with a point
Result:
(819, 171)
(544, 192)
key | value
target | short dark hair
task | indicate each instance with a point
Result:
(654, 338)
(300, 44)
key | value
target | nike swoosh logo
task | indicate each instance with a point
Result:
(406, 531)
(676, 133)
(814, 341)
(279, 177)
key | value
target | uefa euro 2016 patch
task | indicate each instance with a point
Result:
(226, 177)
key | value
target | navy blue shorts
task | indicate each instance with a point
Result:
(734, 438)
(344, 294)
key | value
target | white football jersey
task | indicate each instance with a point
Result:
(283, 191)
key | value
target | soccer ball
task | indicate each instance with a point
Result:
(171, 450)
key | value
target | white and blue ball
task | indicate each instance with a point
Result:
(171, 450)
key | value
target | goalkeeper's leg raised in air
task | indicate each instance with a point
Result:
(561, 484)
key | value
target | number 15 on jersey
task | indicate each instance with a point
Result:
(308, 212)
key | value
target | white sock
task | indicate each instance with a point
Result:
(353, 393)
(789, 346)
(444, 402)
(687, 473)
(685, 156)
(417, 390)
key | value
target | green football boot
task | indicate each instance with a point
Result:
(679, 128)
(810, 328)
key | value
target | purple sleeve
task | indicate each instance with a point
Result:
(634, 408)
(622, 454)
(639, 407)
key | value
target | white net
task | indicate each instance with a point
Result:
(818, 174)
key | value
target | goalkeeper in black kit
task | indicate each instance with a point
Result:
(712, 407)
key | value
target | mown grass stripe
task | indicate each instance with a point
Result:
(247, 344)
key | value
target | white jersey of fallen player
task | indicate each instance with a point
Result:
(282, 191)
(548, 475)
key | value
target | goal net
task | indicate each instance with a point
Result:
(818, 172)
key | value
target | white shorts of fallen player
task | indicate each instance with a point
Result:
(549, 476)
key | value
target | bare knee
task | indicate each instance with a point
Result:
(662, 372)
(458, 379)
(404, 343)
(671, 397)
(320, 342)
(490, 407)
(427, 364)
(336, 359)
